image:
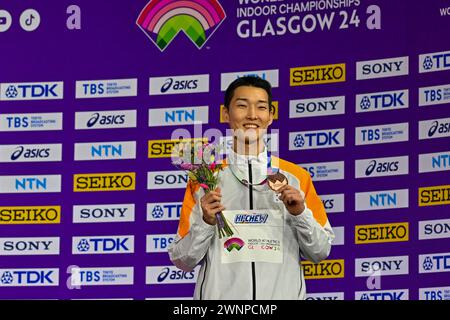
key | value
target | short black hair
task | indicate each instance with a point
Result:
(248, 81)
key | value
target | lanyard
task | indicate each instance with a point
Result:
(270, 171)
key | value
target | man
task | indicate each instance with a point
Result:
(271, 204)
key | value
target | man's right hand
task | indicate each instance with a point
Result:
(211, 205)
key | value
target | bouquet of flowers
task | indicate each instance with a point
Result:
(198, 159)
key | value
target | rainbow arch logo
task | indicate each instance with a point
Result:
(233, 243)
(162, 20)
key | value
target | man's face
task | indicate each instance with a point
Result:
(249, 114)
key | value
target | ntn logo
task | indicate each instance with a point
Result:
(383, 199)
(31, 184)
(180, 115)
(106, 150)
(440, 161)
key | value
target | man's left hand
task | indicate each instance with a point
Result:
(293, 199)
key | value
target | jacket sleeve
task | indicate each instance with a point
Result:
(313, 229)
(194, 235)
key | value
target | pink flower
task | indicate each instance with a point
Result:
(212, 166)
(204, 186)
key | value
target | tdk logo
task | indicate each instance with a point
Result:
(28, 277)
(434, 95)
(401, 294)
(382, 68)
(179, 84)
(325, 296)
(159, 242)
(437, 262)
(316, 139)
(31, 91)
(163, 211)
(437, 61)
(105, 244)
(380, 101)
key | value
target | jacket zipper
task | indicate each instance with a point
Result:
(203, 280)
(250, 189)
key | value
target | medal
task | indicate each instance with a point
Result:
(276, 181)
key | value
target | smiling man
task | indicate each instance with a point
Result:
(275, 224)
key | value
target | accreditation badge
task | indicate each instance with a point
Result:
(258, 236)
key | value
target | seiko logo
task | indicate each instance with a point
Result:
(105, 120)
(435, 195)
(382, 233)
(106, 182)
(29, 215)
(318, 74)
(324, 269)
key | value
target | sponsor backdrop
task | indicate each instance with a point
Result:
(92, 91)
